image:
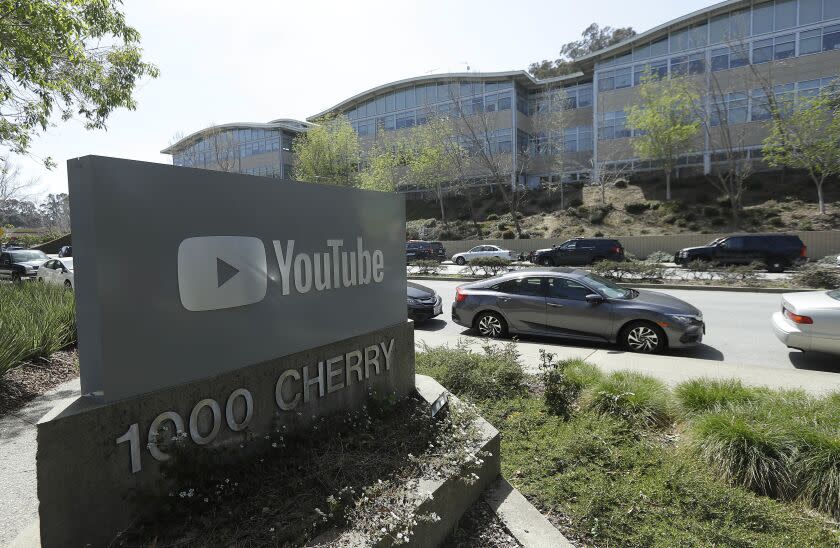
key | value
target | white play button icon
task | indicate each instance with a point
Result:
(216, 272)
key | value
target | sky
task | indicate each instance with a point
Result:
(259, 60)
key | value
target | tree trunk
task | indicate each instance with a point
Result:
(471, 207)
(668, 185)
(820, 197)
(440, 200)
(562, 195)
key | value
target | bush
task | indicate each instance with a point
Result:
(817, 277)
(623, 271)
(598, 214)
(718, 221)
(563, 382)
(495, 373)
(493, 217)
(709, 211)
(637, 398)
(490, 266)
(828, 260)
(669, 219)
(508, 235)
(702, 395)
(620, 184)
(818, 472)
(660, 257)
(35, 321)
(637, 208)
(502, 226)
(427, 266)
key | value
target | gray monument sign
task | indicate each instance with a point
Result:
(217, 307)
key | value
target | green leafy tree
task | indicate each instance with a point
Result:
(429, 162)
(381, 166)
(594, 38)
(78, 57)
(666, 122)
(808, 138)
(328, 153)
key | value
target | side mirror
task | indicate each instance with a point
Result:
(594, 299)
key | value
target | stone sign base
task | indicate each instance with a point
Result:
(91, 454)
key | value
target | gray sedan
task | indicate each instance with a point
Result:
(575, 304)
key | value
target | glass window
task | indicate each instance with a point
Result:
(405, 120)
(720, 59)
(606, 81)
(737, 107)
(719, 29)
(623, 78)
(762, 19)
(831, 9)
(810, 41)
(760, 106)
(585, 96)
(431, 94)
(400, 99)
(679, 40)
(785, 47)
(390, 103)
(739, 56)
(679, 65)
(641, 52)
(810, 11)
(505, 102)
(739, 24)
(420, 95)
(762, 51)
(380, 105)
(785, 14)
(409, 98)
(531, 287)
(698, 35)
(831, 37)
(660, 47)
(561, 288)
(811, 88)
(697, 63)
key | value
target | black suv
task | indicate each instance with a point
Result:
(579, 251)
(417, 250)
(777, 251)
(20, 264)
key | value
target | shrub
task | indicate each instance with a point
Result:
(490, 266)
(828, 260)
(637, 208)
(495, 373)
(636, 271)
(702, 395)
(508, 235)
(709, 211)
(35, 321)
(620, 184)
(599, 234)
(502, 226)
(669, 219)
(817, 277)
(818, 472)
(493, 217)
(634, 397)
(427, 266)
(718, 221)
(563, 382)
(660, 257)
(750, 453)
(597, 214)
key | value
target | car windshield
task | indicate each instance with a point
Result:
(715, 241)
(29, 255)
(609, 289)
(835, 294)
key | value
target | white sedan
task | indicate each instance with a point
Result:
(58, 272)
(484, 251)
(810, 321)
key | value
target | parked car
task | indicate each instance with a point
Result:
(416, 250)
(66, 251)
(484, 251)
(575, 304)
(777, 251)
(58, 272)
(21, 264)
(579, 251)
(423, 303)
(809, 321)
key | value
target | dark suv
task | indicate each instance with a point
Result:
(579, 251)
(417, 250)
(777, 251)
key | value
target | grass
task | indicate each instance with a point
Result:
(619, 482)
(35, 321)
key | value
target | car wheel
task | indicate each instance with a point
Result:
(776, 265)
(490, 324)
(40, 280)
(460, 261)
(67, 284)
(643, 337)
(545, 262)
(598, 260)
(15, 277)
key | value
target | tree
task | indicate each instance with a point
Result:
(381, 163)
(77, 56)
(55, 212)
(666, 122)
(593, 39)
(12, 186)
(808, 138)
(225, 148)
(328, 153)
(429, 161)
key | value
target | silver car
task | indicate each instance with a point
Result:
(809, 321)
(575, 304)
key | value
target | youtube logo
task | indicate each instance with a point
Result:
(217, 272)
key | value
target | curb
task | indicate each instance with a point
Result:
(527, 524)
(733, 289)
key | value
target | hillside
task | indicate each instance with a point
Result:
(772, 203)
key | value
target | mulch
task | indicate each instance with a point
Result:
(31, 379)
(480, 527)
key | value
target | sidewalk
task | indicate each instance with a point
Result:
(671, 370)
(18, 495)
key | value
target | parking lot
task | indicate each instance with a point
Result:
(738, 330)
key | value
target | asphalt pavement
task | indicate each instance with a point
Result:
(738, 330)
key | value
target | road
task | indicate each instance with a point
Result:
(738, 330)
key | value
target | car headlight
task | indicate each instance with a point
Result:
(411, 300)
(686, 319)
